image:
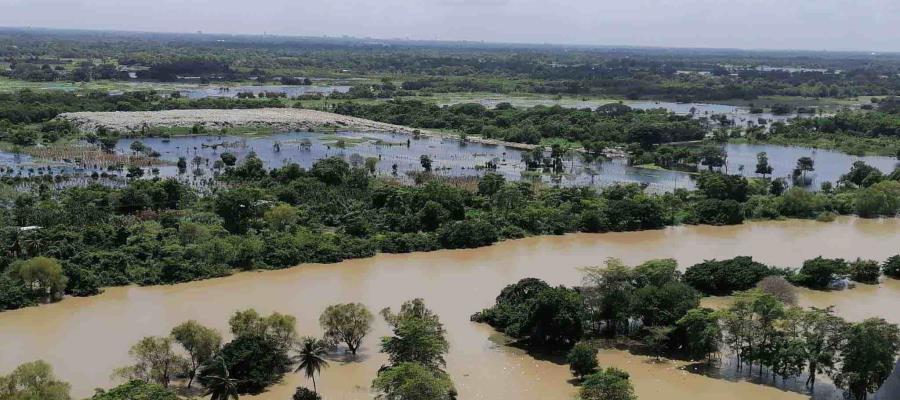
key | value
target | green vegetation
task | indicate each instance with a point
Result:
(854, 132)
(656, 305)
(33, 381)
(429, 68)
(416, 354)
(157, 231)
(595, 130)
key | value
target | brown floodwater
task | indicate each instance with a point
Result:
(86, 338)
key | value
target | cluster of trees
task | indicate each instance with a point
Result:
(614, 123)
(465, 67)
(258, 356)
(724, 277)
(153, 231)
(656, 304)
(855, 132)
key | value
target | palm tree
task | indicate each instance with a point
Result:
(310, 355)
(221, 386)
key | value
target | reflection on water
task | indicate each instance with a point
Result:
(86, 338)
(450, 158)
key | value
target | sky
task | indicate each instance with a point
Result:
(865, 25)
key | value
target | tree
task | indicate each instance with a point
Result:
(891, 267)
(657, 338)
(331, 170)
(608, 292)
(182, 165)
(200, 342)
(371, 164)
(555, 317)
(413, 381)
(780, 288)
(425, 160)
(762, 164)
(33, 381)
(699, 331)
(869, 354)
(219, 383)
(419, 336)
(155, 361)
(303, 393)
(611, 384)
(136, 390)
(310, 358)
(348, 323)
(864, 271)
(136, 146)
(279, 329)
(664, 305)
(805, 164)
(882, 198)
(582, 359)
(238, 207)
(724, 277)
(228, 159)
(281, 217)
(43, 276)
(818, 273)
(821, 334)
(255, 362)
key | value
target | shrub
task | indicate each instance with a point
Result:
(864, 271)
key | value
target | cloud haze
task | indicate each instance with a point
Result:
(770, 24)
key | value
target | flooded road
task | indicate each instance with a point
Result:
(86, 338)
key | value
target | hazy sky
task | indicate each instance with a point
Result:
(769, 24)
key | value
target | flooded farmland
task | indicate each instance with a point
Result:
(450, 157)
(454, 283)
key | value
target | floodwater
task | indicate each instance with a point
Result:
(289, 91)
(450, 158)
(829, 165)
(86, 338)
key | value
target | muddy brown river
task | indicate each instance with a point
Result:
(86, 338)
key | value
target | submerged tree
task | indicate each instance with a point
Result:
(311, 358)
(347, 323)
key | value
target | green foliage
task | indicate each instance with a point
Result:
(582, 359)
(610, 384)
(33, 381)
(533, 310)
(419, 337)
(664, 305)
(201, 344)
(880, 199)
(348, 323)
(891, 267)
(723, 277)
(818, 272)
(303, 393)
(864, 271)
(869, 354)
(533, 124)
(413, 381)
(136, 390)
(256, 362)
(699, 332)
